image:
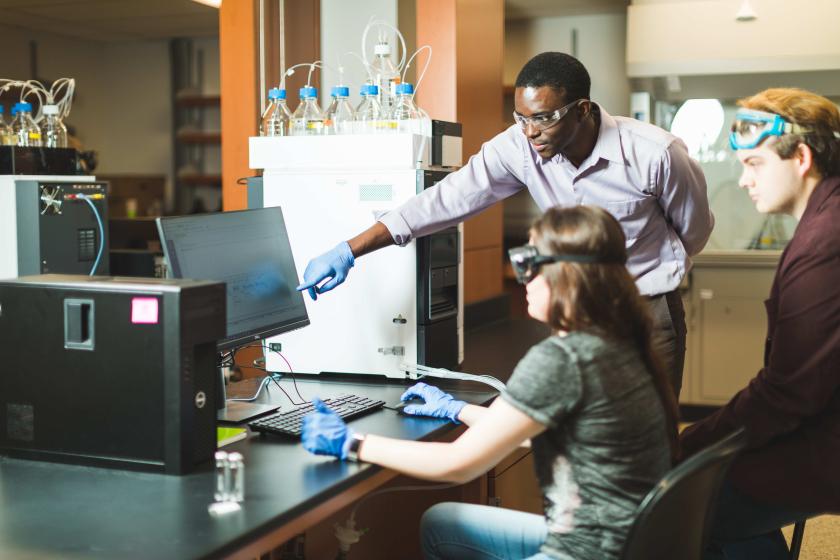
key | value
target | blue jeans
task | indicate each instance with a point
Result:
(744, 529)
(473, 532)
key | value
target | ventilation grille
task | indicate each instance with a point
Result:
(87, 244)
(376, 193)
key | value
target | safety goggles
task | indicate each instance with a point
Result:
(752, 127)
(544, 122)
(526, 261)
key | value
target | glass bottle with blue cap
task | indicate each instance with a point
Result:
(340, 114)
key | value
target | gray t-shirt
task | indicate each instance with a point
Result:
(606, 444)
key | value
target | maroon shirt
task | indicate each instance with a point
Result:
(791, 409)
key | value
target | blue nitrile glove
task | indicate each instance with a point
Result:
(335, 264)
(324, 432)
(437, 403)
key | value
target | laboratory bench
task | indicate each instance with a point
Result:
(51, 510)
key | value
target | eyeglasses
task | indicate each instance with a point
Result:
(544, 122)
(526, 261)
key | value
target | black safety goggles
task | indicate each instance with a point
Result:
(526, 261)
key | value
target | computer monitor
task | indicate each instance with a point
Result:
(249, 250)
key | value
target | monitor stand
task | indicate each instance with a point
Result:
(236, 412)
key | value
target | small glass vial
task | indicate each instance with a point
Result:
(237, 477)
(222, 492)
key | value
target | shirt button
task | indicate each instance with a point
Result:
(398, 239)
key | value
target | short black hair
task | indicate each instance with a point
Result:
(559, 70)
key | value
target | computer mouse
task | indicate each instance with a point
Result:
(402, 404)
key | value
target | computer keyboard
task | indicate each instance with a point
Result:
(288, 422)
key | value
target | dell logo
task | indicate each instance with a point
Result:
(200, 399)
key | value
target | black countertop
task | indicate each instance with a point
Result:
(50, 510)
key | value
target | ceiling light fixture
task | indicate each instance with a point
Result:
(746, 12)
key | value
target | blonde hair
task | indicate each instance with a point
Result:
(600, 297)
(816, 114)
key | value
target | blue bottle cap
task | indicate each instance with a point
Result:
(2, 109)
(308, 92)
(340, 91)
(405, 88)
(274, 93)
(25, 107)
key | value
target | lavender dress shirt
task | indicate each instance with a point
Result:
(638, 172)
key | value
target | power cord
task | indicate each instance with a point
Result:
(291, 372)
(228, 359)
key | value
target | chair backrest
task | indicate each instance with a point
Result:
(673, 521)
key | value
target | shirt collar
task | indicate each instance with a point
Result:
(608, 145)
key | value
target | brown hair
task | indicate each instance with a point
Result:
(817, 115)
(600, 297)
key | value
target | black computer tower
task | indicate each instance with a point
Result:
(109, 371)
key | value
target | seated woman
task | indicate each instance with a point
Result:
(592, 398)
(788, 141)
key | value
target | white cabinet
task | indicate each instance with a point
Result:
(727, 323)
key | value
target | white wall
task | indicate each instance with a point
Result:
(700, 37)
(342, 25)
(600, 46)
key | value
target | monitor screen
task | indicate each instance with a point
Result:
(248, 250)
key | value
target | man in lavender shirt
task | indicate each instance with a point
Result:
(567, 150)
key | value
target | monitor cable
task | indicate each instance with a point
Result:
(228, 359)
(291, 372)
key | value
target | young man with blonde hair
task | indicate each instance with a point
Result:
(788, 141)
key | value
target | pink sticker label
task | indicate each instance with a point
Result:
(144, 310)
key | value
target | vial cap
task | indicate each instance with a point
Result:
(221, 455)
(235, 456)
(340, 91)
(382, 48)
(405, 88)
(274, 93)
(2, 109)
(370, 89)
(308, 92)
(25, 107)
(50, 109)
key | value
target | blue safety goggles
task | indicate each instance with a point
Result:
(752, 127)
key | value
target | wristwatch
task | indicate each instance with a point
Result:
(356, 442)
